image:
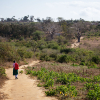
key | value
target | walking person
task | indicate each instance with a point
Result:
(15, 69)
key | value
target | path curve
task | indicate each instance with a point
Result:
(76, 44)
(23, 88)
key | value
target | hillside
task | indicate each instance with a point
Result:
(68, 51)
(80, 70)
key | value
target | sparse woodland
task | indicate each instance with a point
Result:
(50, 41)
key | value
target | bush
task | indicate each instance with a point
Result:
(28, 54)
(69, 90)
(82, 63)
(50, 82)
(51, 92)
(49, 54)
(64, 58)
(44, 57)
(2, 71)
(37, 35)
(53, 45)
(23, 53)
(93, 94)
(96, 59)
(8, 52)
(74, 64)
(67, 50)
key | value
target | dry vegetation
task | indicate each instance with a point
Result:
(68, 68)
(90, 43)
(2, 81)
(82, 71)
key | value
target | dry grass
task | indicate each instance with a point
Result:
(90, 43)
(67, 68)
(2, 82)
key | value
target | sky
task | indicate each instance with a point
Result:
(88, 10)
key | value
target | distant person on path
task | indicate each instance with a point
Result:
(15, 69)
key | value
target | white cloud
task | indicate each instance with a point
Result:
(75, 4)
(90, 12)
(79, 9)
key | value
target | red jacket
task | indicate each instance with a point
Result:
(16, 66)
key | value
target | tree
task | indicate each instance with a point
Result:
(2, 19)
(52, 28)
(78, 35)
(9, 19)
(13, 18)
(79, 28)
(38, 20)
(37, 35)
(34, 45)
(31, 18)
(60, 20)
(49, 27)
(25, 18)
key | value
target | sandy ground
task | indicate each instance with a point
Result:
(76, 43)
(23, 88)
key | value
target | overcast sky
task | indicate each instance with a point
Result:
(68, 9)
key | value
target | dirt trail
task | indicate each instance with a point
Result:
(76, 44)
(23, 88)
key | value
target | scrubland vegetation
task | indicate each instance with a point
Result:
(67, 81)
(72, 73)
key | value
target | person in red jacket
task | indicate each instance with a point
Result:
(15, 69)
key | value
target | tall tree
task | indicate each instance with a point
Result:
(80, 28)
(31, 18)
(26, 18)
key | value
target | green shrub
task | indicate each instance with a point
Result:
(51, 92)
(96, 78)
(93, 95)
(34, 73)
(64, 58)
(44, 57)
(96, 59)
(21, 71)
(49, 54)
(67, 78)
(74, 64)
(2, 71)
(21, 38)
(53, 45)
(28, 54)
(28, 72)
(37, 35)
(69, 90)
(62, 89)
(67, 50)
(50, 82)
(82, 63)
(8, 52)
(23, 53)
(42, 47)
(22, 43)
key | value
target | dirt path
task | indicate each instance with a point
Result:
(23, 88)
(76, 44)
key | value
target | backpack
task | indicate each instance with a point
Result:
(16, 66)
